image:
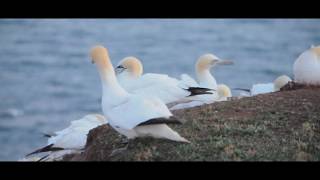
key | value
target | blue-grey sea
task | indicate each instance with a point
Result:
(47, 79)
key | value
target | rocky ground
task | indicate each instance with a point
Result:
(280, 126)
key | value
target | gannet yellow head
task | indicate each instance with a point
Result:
(131, 65)
(280, 82)
(316, 51)
(100, 56)
(223, 91)
(206, 61)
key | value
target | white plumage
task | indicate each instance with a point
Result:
(306, 68)
(162, 86)
(188, 80)
(126, 111)
(69, 140)
(134, 110)
(203, 66)
(206, 80)
(75, 136)
(223, 92)
(263, 88)
(187, 105)
(168, 89)
(206, 98)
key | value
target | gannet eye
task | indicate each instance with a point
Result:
(214, 61)
(120, 69)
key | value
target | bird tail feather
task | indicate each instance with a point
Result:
(162, 120)
(45, 149)
(241, 89)
(199, 91)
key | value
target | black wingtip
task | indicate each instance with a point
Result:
(47, 135)
(44, 157)
(170, 120)
(45, 149)
(199, 91)
(242, 89)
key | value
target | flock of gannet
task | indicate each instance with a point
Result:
(136, 104)
(206, 80)
(132, 115)
(168, 89)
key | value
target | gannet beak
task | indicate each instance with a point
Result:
(119, 69)
(225, 62)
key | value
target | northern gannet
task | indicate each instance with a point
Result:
(262, 88)
(132, 115)
(69, 140)
(280, 82)
(130, 76)
(306, 68)
(224, 92)
(203, 67)
(204, 77)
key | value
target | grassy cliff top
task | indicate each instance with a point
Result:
(277, 126)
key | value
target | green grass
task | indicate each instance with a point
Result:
(282, 126)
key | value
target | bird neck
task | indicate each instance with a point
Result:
(206, 78)
(110, 85)
(128, 75)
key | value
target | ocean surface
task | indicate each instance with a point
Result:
(47, 79)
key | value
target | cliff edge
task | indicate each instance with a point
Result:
(279, 126)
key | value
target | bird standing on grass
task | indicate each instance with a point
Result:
(132, 115)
